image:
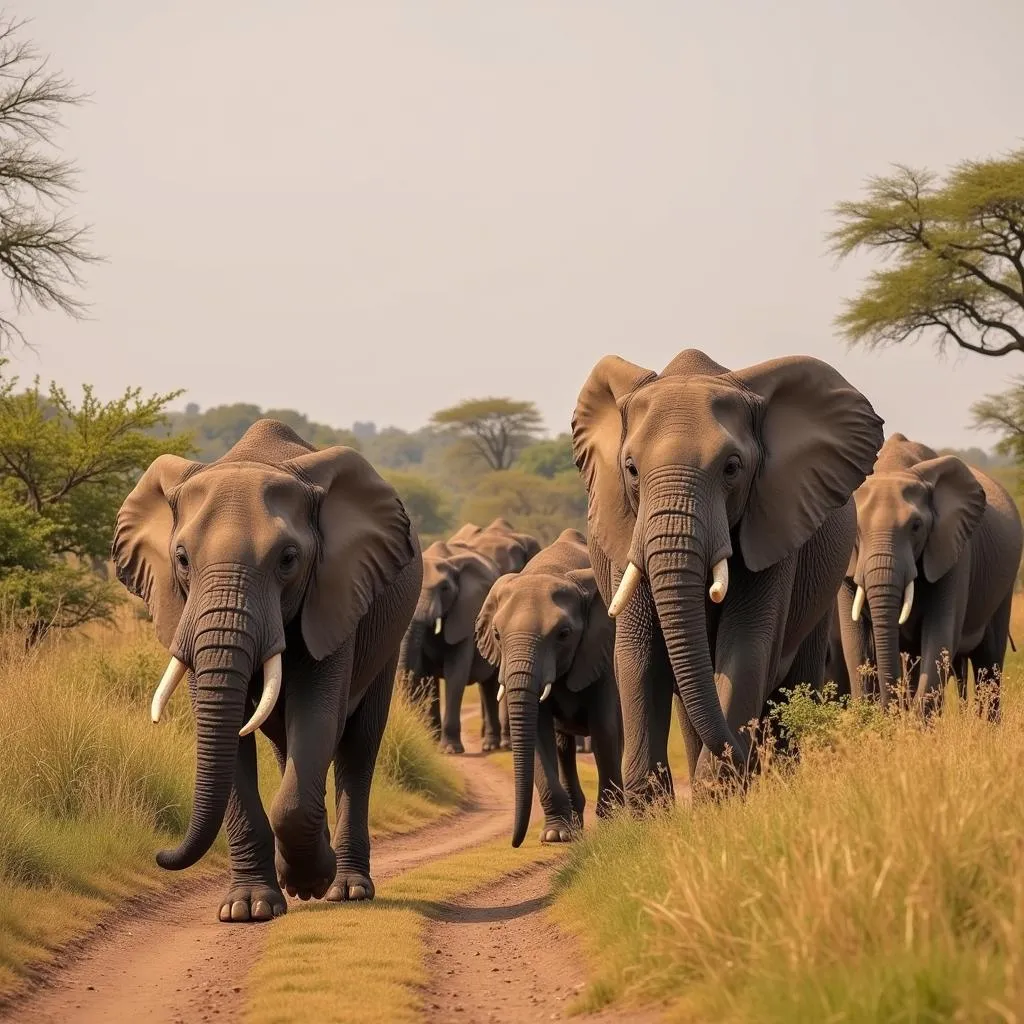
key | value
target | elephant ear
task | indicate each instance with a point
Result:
(596, 440)
(819, 438)
(594, 653)
(367, 540)
(141, 550)
(477, 574)
(527, 546)
(958, 503)
(488, 647)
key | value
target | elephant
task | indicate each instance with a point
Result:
(720, 522)
(933, 568)
(547, 631)
(440, 641)
(281, 580)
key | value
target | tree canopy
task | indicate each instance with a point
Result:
(956, 249)
(42, 249)
(495, 430)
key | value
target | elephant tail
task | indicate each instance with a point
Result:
(1013, 646)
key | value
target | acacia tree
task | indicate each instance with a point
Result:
(42, 249)
(64, 471)
(956, 249)
(495, 430)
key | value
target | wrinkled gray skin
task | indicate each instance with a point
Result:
(457, 575)
(277, 548)
(548, 624)
(700, 464)
(956, 534)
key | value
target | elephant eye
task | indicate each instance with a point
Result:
(732, 467)
(181, 558)
(563, 633)
(497, 635)
(631, 468)
(289, 559)
(915, 526)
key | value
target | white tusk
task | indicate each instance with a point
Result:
(173, 675)
(720, 582)
(858, 604)
(627, 588)
(908, 602)
(547, 692)
(437, 625)
(501, 691)
(271, 691)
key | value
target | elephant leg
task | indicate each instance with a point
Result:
(424, 693)
(491, 719)
(254, 893)
(646, 684)
(565, 744)
(434, 707)
(354, 763)
(808, 667)
(606, 742)
(959, 668)
(457, 663)
(559, 823)
(691, 741)
(988, 659)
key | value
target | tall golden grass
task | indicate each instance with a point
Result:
(882, 879)
(90, 789)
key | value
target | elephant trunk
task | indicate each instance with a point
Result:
(410, 654)
(677, 569)
(884, 590)
(522, 688)
(223, 662)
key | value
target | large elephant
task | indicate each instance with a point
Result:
(440, 641)
(720, 523)
(547, 631)
(281, 579)
(933, 568)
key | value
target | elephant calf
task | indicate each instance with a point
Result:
(281, 579)
(548, 632)
(936, 556)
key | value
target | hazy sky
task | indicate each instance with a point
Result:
(371, 210)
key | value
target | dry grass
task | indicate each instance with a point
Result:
(90, 790)
(881, 880)
(365, 963)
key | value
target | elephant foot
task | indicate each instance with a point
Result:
(452, 747)
(307, 876)
(558, 830)
(490, 743)
(506, 743)
(251, 901)
(351, 886)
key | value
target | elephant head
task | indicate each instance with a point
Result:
(914, 516)
(691, 468)
(229, 554)
(455, 582)
(509, 550)
(541, 629)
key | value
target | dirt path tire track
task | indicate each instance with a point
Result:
(496, 957)
(166, 959)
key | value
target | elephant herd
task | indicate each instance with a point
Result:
(747, 531)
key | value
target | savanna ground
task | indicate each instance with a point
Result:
(882, 879)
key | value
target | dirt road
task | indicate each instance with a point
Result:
(167, 960)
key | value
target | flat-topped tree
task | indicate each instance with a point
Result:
(956, 254)
(494, 430)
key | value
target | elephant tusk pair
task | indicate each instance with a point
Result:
(908, 603)
(544, 696)
(176, 670)
(632, 576)
(437, 625)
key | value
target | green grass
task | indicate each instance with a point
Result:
(880, 880)
(90, 789)
(364, 963)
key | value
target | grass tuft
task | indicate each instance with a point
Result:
(881, 878)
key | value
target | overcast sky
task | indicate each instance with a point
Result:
(368, 211)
